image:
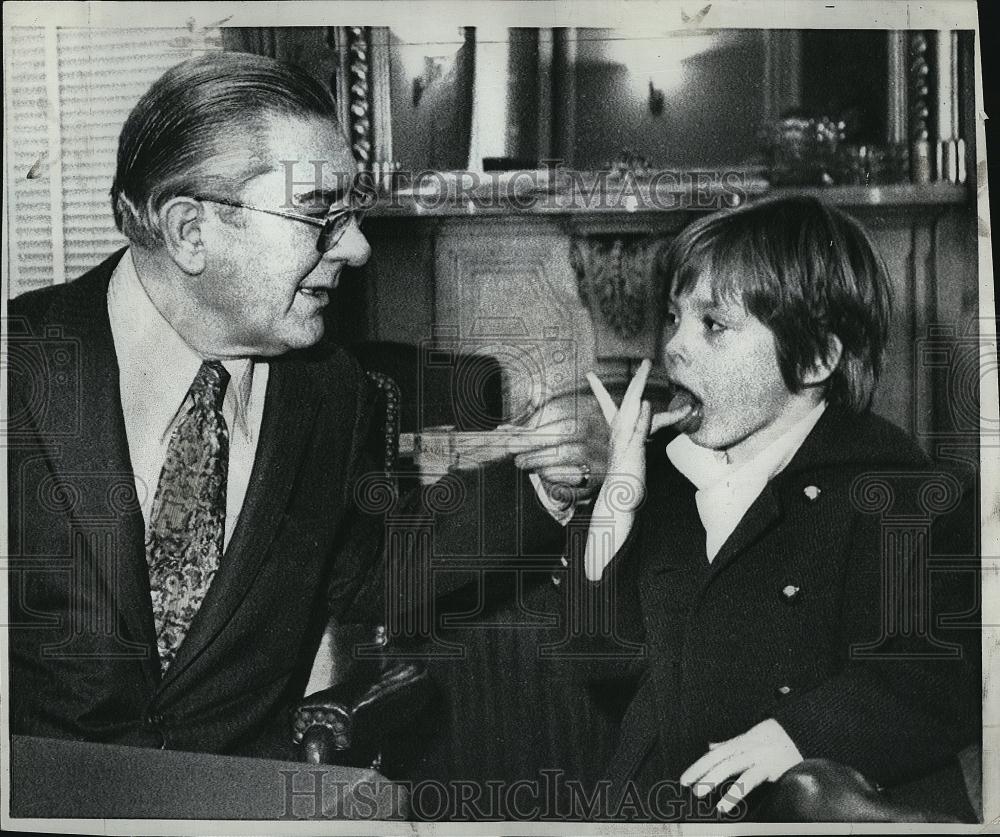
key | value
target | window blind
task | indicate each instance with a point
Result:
(29, 229)
(67, 94)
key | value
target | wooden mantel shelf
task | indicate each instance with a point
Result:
(895, 194)
(586, 198)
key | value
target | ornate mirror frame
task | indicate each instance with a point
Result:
(362, 90)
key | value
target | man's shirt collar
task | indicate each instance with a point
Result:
(156, 365)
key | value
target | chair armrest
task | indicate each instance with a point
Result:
(819, 790)
(346, 723)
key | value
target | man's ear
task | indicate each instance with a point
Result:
(180, 222)
(822, 368)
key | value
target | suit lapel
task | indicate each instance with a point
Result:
(672, 560)
(763, 514)
(674, 570)
(289, 414)
(671, 564)
(97, 458)
(832, 439)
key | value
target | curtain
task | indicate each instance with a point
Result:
(305, 46)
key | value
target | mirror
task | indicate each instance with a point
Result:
(431, 73)
(482, 98)
(811, 106)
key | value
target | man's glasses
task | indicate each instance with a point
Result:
(333, 225)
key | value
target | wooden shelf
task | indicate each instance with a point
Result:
(641, 198)
(895, 194)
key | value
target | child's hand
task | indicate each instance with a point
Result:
(625, 485)
(629, 429)
(761, 754)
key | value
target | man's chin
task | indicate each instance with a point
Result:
(309, 338)
(305, 336)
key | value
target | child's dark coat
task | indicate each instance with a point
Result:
(804, 616)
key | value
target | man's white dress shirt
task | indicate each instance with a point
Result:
(156, 369)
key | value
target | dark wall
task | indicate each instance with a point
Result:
(844, 75)
(710, 118)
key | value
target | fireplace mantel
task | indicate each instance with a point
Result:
(640, 201)
(553, 292)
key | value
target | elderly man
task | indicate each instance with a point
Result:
(191, 368)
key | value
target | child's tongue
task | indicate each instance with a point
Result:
(692, 421)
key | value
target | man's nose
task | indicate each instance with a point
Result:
(352, 248)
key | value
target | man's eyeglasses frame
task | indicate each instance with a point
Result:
(333, 225)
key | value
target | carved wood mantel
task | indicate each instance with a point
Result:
(553, 295)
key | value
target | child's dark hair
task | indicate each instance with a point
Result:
(808, 272)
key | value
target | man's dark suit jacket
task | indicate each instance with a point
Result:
(83, 651)
(817, 612)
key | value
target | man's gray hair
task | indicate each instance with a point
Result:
(201, 128)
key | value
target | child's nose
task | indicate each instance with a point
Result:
(675, 347)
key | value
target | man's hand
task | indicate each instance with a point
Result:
(761, 754)
(568, 451)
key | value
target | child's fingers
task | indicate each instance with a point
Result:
(668, 417)
(638, 383)
(604, 399)
(640, 431)
(700, 767)
(628, 413)
(733, 764)
(747, 781)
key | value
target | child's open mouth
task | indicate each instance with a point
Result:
(685, 398)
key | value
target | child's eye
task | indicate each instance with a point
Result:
(714, 325)
(671, 319)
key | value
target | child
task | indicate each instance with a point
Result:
(782, 621)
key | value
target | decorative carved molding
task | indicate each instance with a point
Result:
(617, 282)
(359, 97)
(507, 290)
(920, 114)
(336, 41)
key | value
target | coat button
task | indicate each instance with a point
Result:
(812, 492)
(563, 561)
(158, 735)
(783, 691)
(556, 580)
(790, 593)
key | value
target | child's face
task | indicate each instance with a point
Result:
(727, 359)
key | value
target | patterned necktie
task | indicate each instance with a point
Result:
(187, 524)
